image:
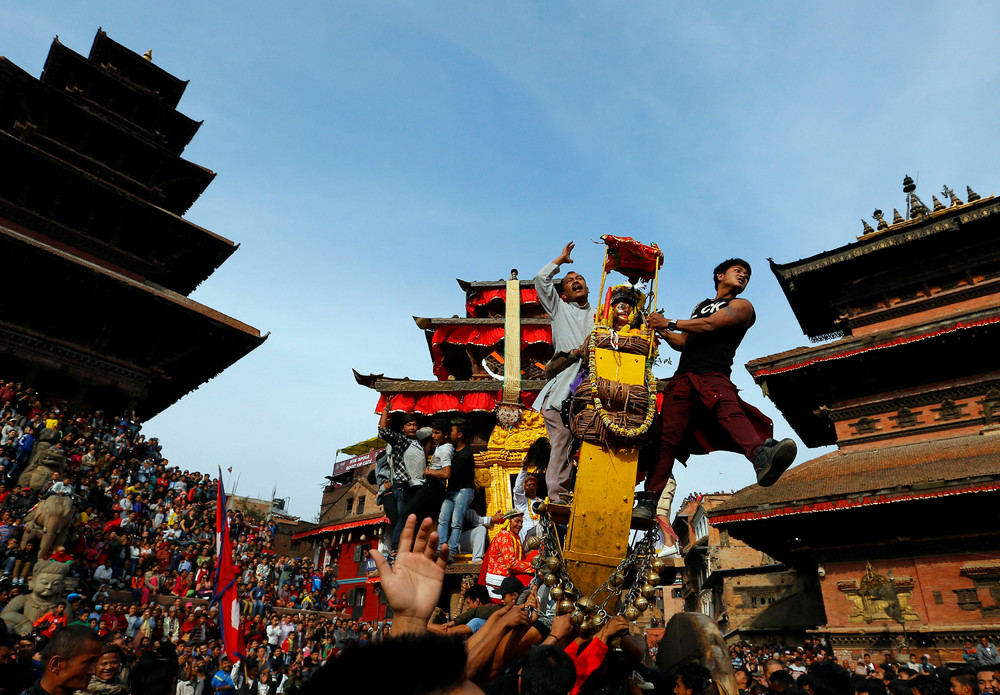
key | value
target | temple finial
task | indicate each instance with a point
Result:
(972, 195)
(896, 217)
(914, 206)
(148, 55)
(882, 224)
(868, 228)
(938, 205)
(955, 200)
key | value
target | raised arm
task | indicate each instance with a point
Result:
(546, 289)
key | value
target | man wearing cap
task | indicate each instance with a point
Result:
(572, 320)
(408, 461)
(701, 409)
(503, 558)
(525, 495)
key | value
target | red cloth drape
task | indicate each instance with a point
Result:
(485, 296)
(431, 403)
(632, 259)
(483, 336)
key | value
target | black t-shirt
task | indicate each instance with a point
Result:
(463, 470)
(711, 352)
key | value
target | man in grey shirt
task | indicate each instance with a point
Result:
(572, 320)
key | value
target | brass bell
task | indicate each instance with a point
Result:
(585, 627)
(631, 613)
(617, 579)
(658, 565)
(648, 590)
(556, 593)
(652, 577)
(576, 619)
(533, 543)
(642, 604)
(553, 563)
(550, 579)
(586, 604)
(538, 562)
(564, 607)
(598, 620)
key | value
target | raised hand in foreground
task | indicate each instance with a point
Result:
(412, 585)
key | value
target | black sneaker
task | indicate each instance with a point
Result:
(771, 460)
(645, 507)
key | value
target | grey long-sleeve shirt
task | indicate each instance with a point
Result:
(571, 324)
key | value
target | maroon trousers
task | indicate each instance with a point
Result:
(702, 413)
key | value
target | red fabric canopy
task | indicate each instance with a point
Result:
(431, 403)
(483, 336)
(329, 528)
(485, 296)
(630, 258)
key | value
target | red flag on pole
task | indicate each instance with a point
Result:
(226, 594)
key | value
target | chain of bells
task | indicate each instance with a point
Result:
(629, 589)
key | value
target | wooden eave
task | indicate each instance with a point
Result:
(383, 385)
(179, 343)
(804, 382)
(136, 70)
(58, 124)
(429, 324)
(106, 94)
(942, 489)
(472, 286)
(820, 287)
(77, 200)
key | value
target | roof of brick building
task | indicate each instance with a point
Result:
(853, 478)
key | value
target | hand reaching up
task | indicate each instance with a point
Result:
(564, 257)
(412, 585)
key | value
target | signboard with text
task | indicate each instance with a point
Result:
(356, 462)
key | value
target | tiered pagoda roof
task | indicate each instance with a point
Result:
(91, 206)
(909, 390)
(458, 345)
(903, 300)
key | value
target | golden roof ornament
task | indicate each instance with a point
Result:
(896, 217)
(148, 55)
(868, 228)
(972, 195)
(938, 205)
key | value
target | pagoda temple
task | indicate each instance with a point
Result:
(899, 523)
(98, 253)
(468, 355)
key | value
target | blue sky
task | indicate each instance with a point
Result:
(370, 153)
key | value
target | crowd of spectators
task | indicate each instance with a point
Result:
(782, 670)
(141, 556)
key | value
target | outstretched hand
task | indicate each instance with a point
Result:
(564, 257)
(412, 585)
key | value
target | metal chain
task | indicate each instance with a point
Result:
(640, 556)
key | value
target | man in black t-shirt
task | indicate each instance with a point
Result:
(461, 487)
(701, 410)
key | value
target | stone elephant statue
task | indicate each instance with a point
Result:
(49, 523)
